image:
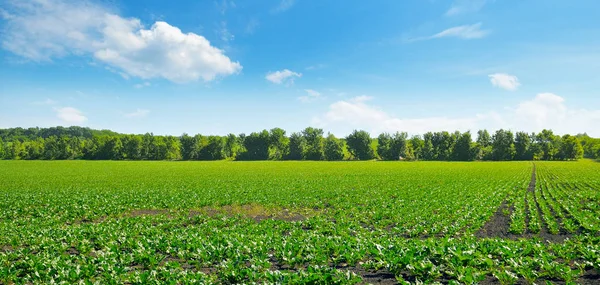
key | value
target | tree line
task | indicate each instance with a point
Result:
(61, 143)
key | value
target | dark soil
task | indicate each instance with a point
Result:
(72, 251)
(499, 223)
(375, 277)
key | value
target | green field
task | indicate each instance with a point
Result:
(115, 222)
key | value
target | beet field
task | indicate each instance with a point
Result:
(145, 222)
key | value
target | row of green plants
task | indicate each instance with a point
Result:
(75, 221)
(275, 144)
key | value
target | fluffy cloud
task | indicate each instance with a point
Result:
(283, 76)
(43, 30)
(465, 6)
(310, 96)
(139, 113)
(545, 111)
(505, 81)
(357, 113)
(70, 115)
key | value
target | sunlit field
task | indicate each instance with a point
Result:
(140, 222)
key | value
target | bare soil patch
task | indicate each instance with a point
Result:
(497, 225)
(256, 212)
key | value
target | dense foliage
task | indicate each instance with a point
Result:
(310, 144)
(128, 222)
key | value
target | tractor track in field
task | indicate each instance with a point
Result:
(498, 225)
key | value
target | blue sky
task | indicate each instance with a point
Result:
(218, 67)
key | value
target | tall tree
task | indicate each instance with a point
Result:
(334, 148)
(462, 149)
(132, 147)
(189, 148)
(571, 148)
(278, 144)
(417, 145)
(359, 145)
(503, 145)
(548, 144)
(314, 143)
(256, 146)
(384, 145)
(173, 148)
(428, 152)
(523, 146)
(213, 148)
(393, 147)
(297, 147)
(232, 146)
(483, 138)
(2, 149)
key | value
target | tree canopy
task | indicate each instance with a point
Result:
(309, 144)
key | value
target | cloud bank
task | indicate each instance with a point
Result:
(45, 30)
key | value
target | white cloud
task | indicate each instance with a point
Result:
(357, 114)
(283, 76)
(312, 95)
(463, 32)
(505, 81)
(70, 115)
(43, 30)
(283, 6)
(545, 111)
(139, 113)
(465, 6)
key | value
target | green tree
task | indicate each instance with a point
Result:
(213, 148)
(2, 149)
(523, 146)
(173, 146)
(359, 145)
(393, 147)
(114, 148)
(334, 148)
(34, 149)
(188, 147)
(462, 149)
(571, 148)
(417, 145)
(483, 138)
(278, 144)
(314, 143)
(548, 145)
(232, 146)
(427, 151)
(132, 147)
(503, 145)
(256, 146)
(297, 147)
